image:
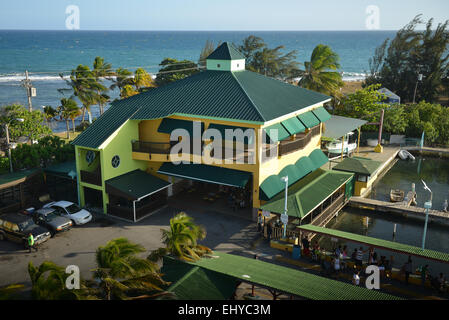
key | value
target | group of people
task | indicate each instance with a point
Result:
(237, 200)
(439, 283)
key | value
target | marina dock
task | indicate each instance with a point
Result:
(402, 209)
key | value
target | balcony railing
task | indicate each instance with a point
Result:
(91, 177)
(300, 141)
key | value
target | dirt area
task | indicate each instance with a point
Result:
(351, 87)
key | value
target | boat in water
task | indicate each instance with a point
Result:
(397, 195)
(335, 147)
(404, 155)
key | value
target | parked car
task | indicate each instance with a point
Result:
(71, 211)
(16, 227)
(48, 218)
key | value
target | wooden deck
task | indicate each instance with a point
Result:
(400, 208)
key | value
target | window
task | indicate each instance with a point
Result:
(218, 65)
(90, 156)
(115, 161)
(362, 178)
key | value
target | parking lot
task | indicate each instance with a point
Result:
(77, 246)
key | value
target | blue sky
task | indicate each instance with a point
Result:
(217, 15)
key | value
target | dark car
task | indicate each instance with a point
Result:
(17, 227)
(50, 219)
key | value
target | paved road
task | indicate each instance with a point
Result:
(77, 246)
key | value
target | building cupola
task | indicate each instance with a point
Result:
(226, 58)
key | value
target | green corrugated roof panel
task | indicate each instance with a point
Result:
(17, 175)
(190, 282)
(206, 173)
(241, 96)
(222, 128)
(318, 158)
(287, 280)
(305, 195)
(277, 132)
(226, 51)
(292, 172)
(321, 114)
(309, 119)
(380, 243)
(358, 165)
(67, 168)
(293, 125)
(305, 166)
(168, 125)
(137, 184)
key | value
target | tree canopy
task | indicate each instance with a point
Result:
(173, 70)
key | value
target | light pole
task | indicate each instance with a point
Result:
(416, 87)
(284, 217)
(8, 144)
(427, 205)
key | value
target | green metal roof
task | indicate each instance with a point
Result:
(309, 192)
(226, 51)
(168, 125)
(318, 158)
(241, 96)
(222, 128)
(16, 177)
(206, 173)
(293, 125)
(337, 126)
(380, 243)
(278, 129)
(358, 165)
(309, 119)
(321, 114)
(136, 184)
(64, 169)
(189, 282)
(287, 280)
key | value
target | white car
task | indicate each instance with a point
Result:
(70, 210)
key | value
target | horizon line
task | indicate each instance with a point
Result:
(193, 30)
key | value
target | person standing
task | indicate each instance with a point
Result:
(305, 245)
(356, 278)
(408, 269)
(259, 222)
(359, 257)
(31, 244)
(269, 231)
(424, 272)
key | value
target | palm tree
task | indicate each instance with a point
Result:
(85, 87)
(69, 111)
(49, 113)
(181, 240)
(123, 77)
(120, 272)
(49, 283)
(319, 74)
(142, 80)
(101, 69)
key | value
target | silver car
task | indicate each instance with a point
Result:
(48, 218)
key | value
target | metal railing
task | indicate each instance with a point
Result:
(300, 142)
(91, 177)
(328, 213)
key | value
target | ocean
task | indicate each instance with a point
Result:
(46, 54)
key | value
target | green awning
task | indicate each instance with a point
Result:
(189, 282)
(338, 126)
(135, 185)
(293, 125)
(270, 187)
(322, 114)
(205, 173)
(380, 243)
(292, 172)
(168, 125)
(282, 133)
(358, 165)
(11, 179)
(222, 128)
(308, 193)
(305, 166)
(318, 158)
(309, 119)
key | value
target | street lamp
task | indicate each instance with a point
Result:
(6, 125)
(284, 216)
(427, 205)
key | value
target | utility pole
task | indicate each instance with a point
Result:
(416, 87)
(31, 92)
